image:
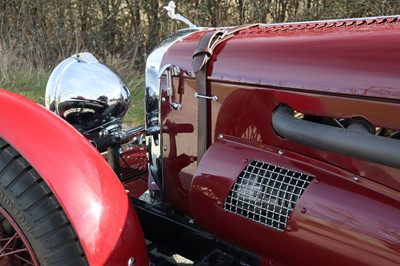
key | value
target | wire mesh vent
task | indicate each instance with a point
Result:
(266, 193)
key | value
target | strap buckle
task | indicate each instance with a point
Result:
(224, 33)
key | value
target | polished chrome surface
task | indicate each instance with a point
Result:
(153, 105)
(214, 98)
(171, 70)
(131, 262)
(171, 13)
(87, 93)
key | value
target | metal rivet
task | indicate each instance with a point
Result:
(245, 160)
(191, 221)
(271, 262)
(153, 183)
(165, 148)
(303, 210)
(131, 262)
(316, 181)
(220, 136)
(355, 178)
(280, 153)
(163, 99)
(289, 228)
(219, 203)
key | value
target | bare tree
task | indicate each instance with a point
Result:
(47, 31)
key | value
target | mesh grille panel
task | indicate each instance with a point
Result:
(266, 193)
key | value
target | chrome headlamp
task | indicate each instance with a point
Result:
(87, 93)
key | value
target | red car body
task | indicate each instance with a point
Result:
(88, 190)
(334, 69)
(263, 193)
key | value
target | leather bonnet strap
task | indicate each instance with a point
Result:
(201, 55)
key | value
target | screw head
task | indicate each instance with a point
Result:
(131, 262)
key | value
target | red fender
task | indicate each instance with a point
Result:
(86, 187)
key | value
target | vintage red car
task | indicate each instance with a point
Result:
(263, 145)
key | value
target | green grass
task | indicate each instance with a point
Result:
(28, 77)
(29, 84)
(135, 115)
(32, 84)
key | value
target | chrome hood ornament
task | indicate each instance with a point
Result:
(87, 93)
(171, 13)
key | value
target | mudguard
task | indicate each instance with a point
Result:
(86, 187)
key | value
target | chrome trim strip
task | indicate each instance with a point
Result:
(153, 105)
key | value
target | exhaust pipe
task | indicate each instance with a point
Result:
(354, 141)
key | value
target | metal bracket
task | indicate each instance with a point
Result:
(170, 70)
(214, 98)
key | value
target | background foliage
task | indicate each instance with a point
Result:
(48, 31)
(35, 35)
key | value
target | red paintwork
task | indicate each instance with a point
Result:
(134, 170)
(257, 102)
(133, 164)
(300, 63)
(345, 223)
(88, 190)
(338, 69)
(179, 162)
(335, 58)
